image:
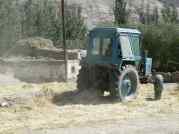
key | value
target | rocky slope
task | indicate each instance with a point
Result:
(175, 2)
(97, 11)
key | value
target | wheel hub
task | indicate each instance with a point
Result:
(126, 86)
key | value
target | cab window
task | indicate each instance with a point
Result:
(135, 41)
(125, 46)
(102, 47)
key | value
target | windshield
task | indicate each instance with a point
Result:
(135, 41)
(125, 46)
(102, 47)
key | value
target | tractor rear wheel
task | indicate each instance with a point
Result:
(83, 79)
(128, 82)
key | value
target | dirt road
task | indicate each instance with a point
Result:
(137, 126)
(58, 109)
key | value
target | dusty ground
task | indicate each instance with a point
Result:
(57, 108)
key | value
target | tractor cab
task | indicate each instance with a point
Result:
(114, 46)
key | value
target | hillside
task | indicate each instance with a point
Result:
(175, 2)
(95, 11)
(98, 11)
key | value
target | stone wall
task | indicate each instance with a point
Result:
(39, 71)
(24, 51)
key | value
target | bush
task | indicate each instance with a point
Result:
(162, 43)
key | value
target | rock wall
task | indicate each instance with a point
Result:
(39, 53)
(39, 71)
(96, 12)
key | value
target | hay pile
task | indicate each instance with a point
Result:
(28, 47)
(36, 42)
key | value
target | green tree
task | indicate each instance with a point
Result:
(75, 27)
(148, 16)
(120, 12)
(21, 19)
(162, 42)
(169, 14)
(9, 23)
(156, 16)
(141, 13)
(43, 18)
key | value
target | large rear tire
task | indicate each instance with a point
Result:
(128, 83)
(83, 79)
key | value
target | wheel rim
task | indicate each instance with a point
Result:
(126, 87)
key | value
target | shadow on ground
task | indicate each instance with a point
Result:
(150, 99)
(86, 97)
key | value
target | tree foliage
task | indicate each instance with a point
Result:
(120, 12)
(160, 34)
(169, 13)
(147, 15)
(162, 43)
(31, 18)
(43, 18)
(9, 23)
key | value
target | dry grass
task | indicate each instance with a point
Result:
(58, 105)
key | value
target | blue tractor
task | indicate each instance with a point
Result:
(114, 62)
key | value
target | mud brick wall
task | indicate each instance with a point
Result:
(54, 54)
(38, 71)
(25, 51)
